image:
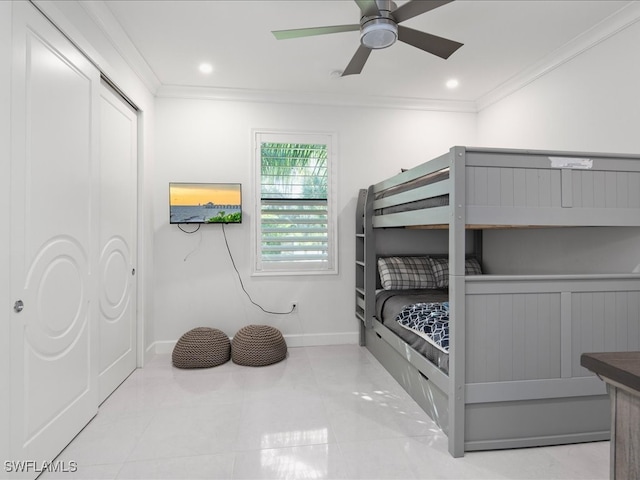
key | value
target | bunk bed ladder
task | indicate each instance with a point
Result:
(457, 224)
(365, 262)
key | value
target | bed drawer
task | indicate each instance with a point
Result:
(430, 398)
(533, 423)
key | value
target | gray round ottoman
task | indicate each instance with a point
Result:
(258, 345)
(201, 347)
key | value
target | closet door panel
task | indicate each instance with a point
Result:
(54, 199)
(117, 279)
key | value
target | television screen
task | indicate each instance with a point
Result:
(205, 202)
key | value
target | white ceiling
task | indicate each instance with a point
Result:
(506, 43)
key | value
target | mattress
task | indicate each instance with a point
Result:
(389, 303)
(438, 201)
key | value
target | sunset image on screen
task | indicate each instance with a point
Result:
(205, 203)
(200, 193)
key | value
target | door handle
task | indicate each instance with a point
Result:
(18, 306)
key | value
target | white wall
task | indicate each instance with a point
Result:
(211, 141)
(590, 103)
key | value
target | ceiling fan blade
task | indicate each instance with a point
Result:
(368, 7)
(309, 32)
(416, 7)
(357, 62)
(442, 47)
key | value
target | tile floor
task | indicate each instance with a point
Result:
(324, 412)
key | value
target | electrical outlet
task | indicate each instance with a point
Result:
(294, 306)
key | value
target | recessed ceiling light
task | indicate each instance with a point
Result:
(453, 83)
(206, 68)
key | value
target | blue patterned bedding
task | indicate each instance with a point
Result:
(428, 320)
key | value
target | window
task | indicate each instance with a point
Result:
(296, 227)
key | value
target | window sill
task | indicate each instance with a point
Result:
(294, 273)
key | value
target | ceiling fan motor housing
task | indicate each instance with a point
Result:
(380, 28)
(380, 31)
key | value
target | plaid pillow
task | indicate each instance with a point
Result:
(404, 273)
(472, 267)
(440, 268)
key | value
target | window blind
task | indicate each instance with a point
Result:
(294, 214)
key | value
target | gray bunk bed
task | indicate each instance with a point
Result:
(512, 375)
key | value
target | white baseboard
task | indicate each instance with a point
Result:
(320, 339)
(149, 353)
(301, 340)
(165, 346)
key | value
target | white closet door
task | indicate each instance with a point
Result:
(117, 279)
(54, 174)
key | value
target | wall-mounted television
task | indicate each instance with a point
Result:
(205, 202)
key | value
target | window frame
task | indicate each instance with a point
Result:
(330, 267)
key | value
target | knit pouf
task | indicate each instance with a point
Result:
(258, 345)
(201, 347)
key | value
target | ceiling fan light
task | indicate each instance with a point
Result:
(379, 35)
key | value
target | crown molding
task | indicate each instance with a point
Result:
(340, 100)
(623, 18)
(99, 12)
(105, 20)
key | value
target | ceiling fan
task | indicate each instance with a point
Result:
(379, 28)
